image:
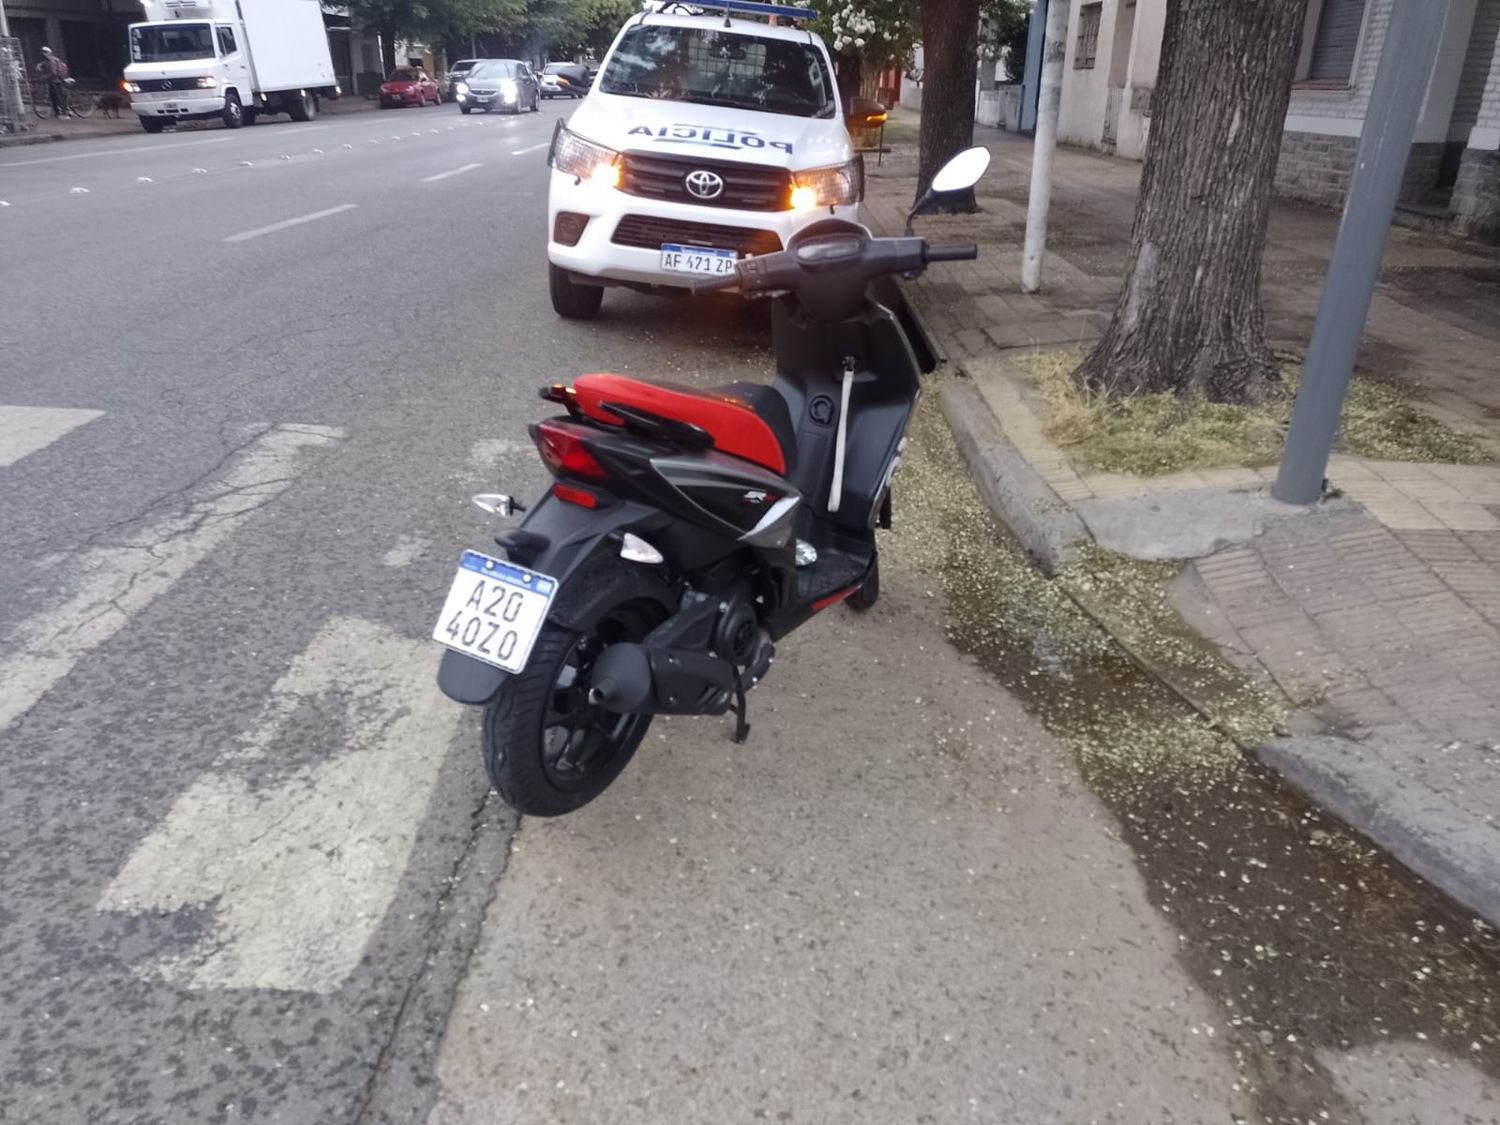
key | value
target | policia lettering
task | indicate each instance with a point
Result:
(718, 138)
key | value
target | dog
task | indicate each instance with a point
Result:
(111, 104)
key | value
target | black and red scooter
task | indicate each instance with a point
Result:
(689, 530)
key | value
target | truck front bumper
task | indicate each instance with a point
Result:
(195, 103)
(623, 236)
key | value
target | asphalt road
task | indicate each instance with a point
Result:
(249, 866)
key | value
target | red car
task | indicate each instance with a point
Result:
(409, 85)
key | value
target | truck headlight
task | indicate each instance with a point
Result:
(131, 87)
(829, 187)
(586, 160)
(208, 82)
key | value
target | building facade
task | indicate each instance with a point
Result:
(1113, 55)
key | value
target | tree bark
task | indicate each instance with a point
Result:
(950, 47)
(1189, 318)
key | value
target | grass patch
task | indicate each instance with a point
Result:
(1149, 435)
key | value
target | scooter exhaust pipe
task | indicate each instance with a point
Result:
(635, 679)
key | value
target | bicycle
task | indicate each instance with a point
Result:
(75, 102)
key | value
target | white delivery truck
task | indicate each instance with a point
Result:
(231, 59)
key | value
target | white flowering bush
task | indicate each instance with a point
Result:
(882, 32)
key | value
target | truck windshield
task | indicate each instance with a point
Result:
(709, 67)
(175, 42)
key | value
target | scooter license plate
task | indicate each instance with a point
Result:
(697, 259)
(495, 611)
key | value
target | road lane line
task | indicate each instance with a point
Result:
(244, 235)
(533, 148)
(299, 872)
(114, 152)
(120, 581)
(26, 429)
(450, 172)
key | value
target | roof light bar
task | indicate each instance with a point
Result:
(743, 7)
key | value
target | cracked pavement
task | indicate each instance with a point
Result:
(250, 868)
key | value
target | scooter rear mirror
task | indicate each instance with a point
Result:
(959, 174)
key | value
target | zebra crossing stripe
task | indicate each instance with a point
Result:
(120, 581)
(26, 429)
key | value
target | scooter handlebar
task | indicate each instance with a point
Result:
(965, 253)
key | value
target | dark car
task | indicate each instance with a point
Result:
(457, 73)
(506, 84)
(565, 80)
(409, 85)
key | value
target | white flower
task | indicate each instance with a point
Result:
(859, 42)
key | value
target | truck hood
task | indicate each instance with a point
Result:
(660, 126)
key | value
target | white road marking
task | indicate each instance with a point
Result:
(112, 152)
(300, 873)
(451, 172)
(408, 549)
(533, 148)
(120, 581)
(244, 235)
(25, 429)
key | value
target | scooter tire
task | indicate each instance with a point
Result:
(516, 736)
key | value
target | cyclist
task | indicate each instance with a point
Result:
(55, 72)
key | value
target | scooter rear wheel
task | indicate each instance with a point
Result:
(547, 749)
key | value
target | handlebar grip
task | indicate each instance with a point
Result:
(966, 253)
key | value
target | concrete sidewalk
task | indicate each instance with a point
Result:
(1377, 614)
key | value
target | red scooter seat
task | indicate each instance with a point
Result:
(743, 420)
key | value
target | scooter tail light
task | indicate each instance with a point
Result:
(563, 447)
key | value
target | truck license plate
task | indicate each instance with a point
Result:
(495, 611)
(697, 259)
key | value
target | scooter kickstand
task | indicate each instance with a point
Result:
(741, 727)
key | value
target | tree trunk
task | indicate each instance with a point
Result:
(1189, 317)
(950, 46)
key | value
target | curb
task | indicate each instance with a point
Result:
(25, 139)
(1450, 849)
(1444, 845)
(1048, 530)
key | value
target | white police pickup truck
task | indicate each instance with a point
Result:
(706, 137)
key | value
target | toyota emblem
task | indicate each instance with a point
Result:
(703, 184)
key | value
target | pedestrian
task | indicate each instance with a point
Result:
(55, 73)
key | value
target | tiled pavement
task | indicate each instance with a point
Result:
(1381, 616)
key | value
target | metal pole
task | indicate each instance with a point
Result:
(1411, 43)
(1045, 144)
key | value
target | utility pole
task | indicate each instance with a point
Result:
(1054, 48)
(1411, 43)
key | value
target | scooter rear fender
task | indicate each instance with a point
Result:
(568, 543)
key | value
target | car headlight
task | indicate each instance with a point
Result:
(508, 87)
(829, 187)
(586, 160)
(208, 82)
(461, 87)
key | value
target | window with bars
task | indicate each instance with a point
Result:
(1088, 36)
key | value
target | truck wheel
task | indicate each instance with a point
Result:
(153, 124)
(303, 107)
(234, 113)
(570, 300)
